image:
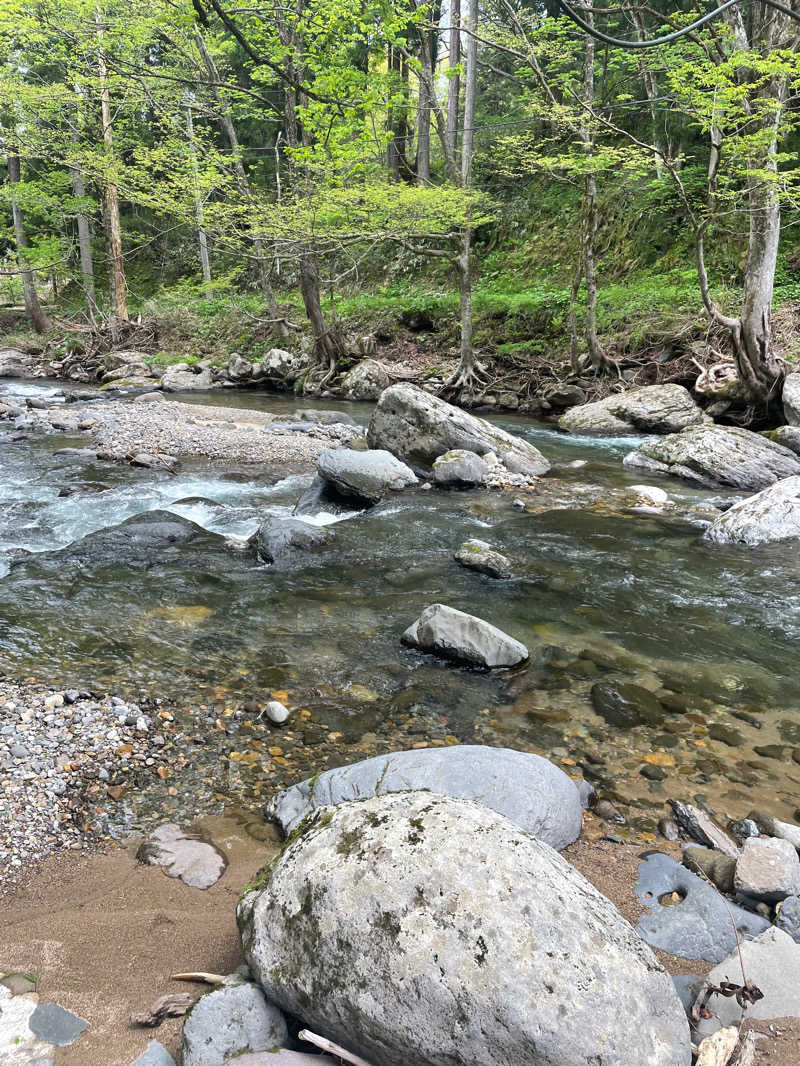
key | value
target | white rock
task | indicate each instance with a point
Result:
(455, 635)
(771, 515)
(276, 712)
(768, 869)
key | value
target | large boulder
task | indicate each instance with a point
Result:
(650, 409)
(181, 378)
(239, 368)
(530, 791)
(364, 476)
(18, 364)
(283, 541)
(791, 399)
(463, 637)
(366, 381)
(772, 514)
(282, 367)
(418, 427)
(232, 1019)
(416, 929)
(716, 456)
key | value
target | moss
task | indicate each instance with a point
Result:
(314, 820)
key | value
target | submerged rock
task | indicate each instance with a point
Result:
(366, 381)
(282, 540)
(527, 789)
(419, 427)
(455, 635)
(772, 514)
(232, 1019)
(417, 929)
(650, 409)
(478, 555)
(185, 855)
(626, 706)
(714, 456)
(364, 476)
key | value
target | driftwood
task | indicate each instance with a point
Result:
(334, 1049)
(747, 1052)
(170, 1006)
(204, 978)
(716, 1050)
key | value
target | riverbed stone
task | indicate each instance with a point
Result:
(791, 399)
(716, 456)
(180, 377)
(771, 515)
(772, 963)
(477, 555)
(277, 713)
(460, 468)
(155, 1054)
(527, 789)
(774, 827)
(283, 367)
(196, 862)
(768, 869)
(419, 427)
(366, 381)
(700, 826)
(700, 926)
(54, 1025)
(232, 1019)
(787, 437)
(365, 477)
(649, 409)
(717, 867)
(419, 929)
(463, 637)
(285, 540)
(788, 917)
(626, 705)
(14, 363)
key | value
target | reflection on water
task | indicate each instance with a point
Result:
(598, 595)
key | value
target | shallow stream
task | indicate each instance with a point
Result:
(599, 594)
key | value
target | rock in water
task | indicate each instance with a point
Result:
(460, 468)
(478, 555)
(463, 637)
(230, 1020)
(650, 409)
(716, 456)
(284, 540)
(791, 399)
(418, 427)
(772, 514)
(363, 476)
(197, 863)
(626, 706)
(530, 791)
(366, 381)
(417, 929)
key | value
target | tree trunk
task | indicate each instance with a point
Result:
(202, 238)
(84, 238)
(32, 306)
(430, 41)
(454, 81)
(119, 289)
(651, 90)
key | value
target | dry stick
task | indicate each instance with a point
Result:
(204, 978)
(334, 1049)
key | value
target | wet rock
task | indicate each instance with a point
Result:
(669, 829)
(768, 869)
(650, 409)
(772, 964)
(788, 917)
(286, 540)
(232, 1019)
(718, 868)
(366, 381)
(155, 1054)
(743, 829)
(626, 706)
(419, 427)
(653, 773)
(527, 789)
(478, 555)
(460, 469)
(700, 926)
(609, 813)
(422, 929)
(15, 363)
(276, 712)
(197, 863)
(156, 461)
(774, 827)
(455, 635)
(714, 456)
(57, 1026)
(791, 399)
(320, 498)
(364, 476)
(180, 377)
(587, 794)
(725, 734)
(771, 515)
(702, 828)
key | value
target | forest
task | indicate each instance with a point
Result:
(196, 179)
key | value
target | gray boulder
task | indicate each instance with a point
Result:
(283, 367)
(787, 437)
(18, 364)
(788, 918)
(791, 399)
(181, 378)
(455, 635)
(287, 540)
(768, 869)
(772, 514)
(698, 928)
(364, 476)
(232, 1019)
(460, 468)
(478, 555)
(155, 1054)
(650, 409)
(239, 368)
(320, 498)
(366, 381)
(772, 963)
(530, 791)
(418, 427)
(716, 456)
(416, 929)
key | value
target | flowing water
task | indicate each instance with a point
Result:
(599, 594)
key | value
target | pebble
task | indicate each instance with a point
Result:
(276, 712)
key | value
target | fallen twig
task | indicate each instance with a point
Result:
(174, 1005)
(204, 978)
